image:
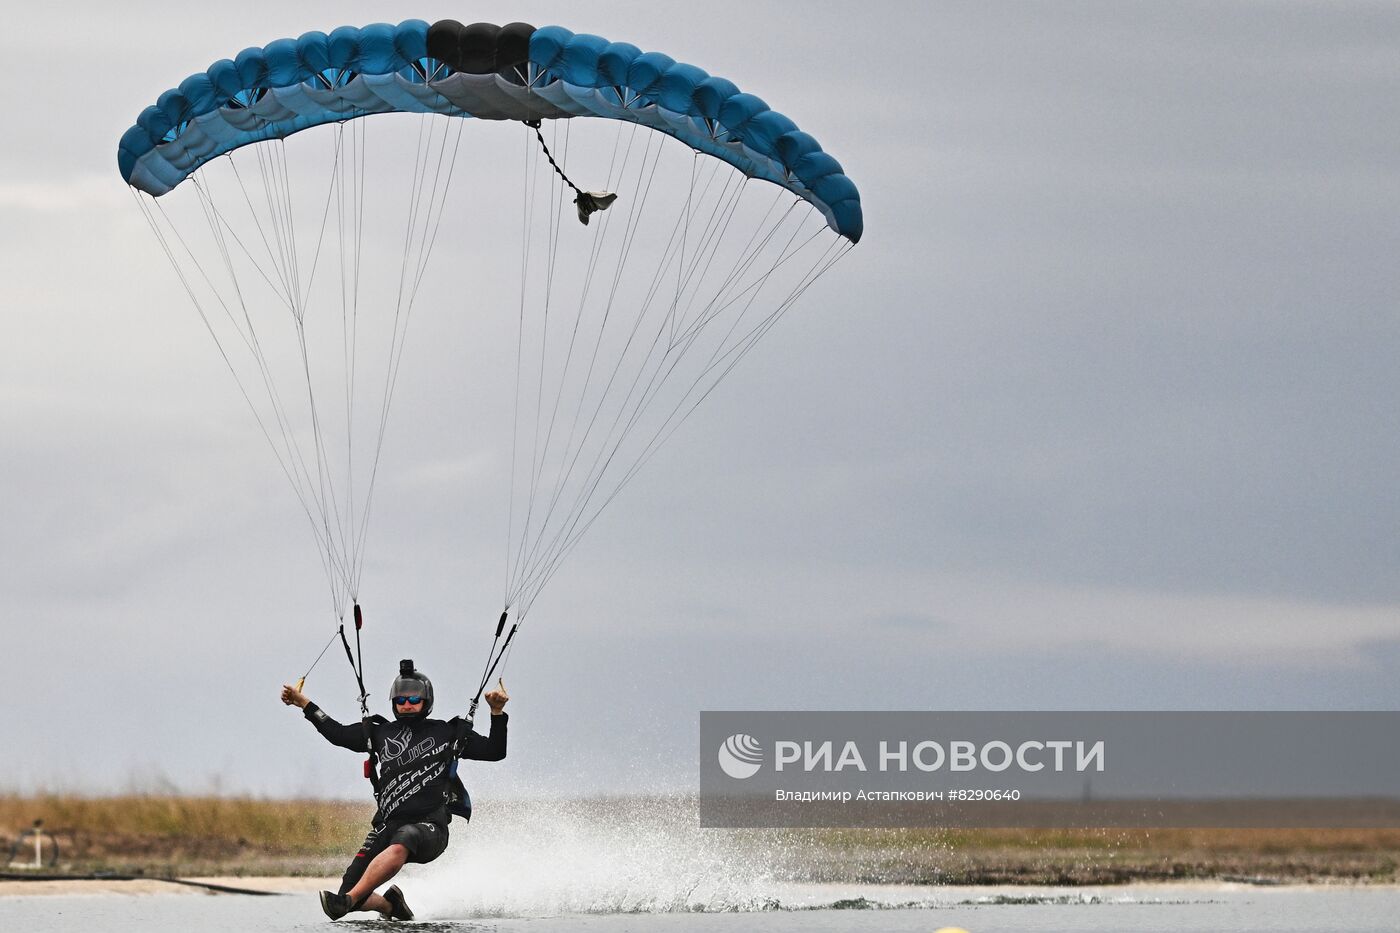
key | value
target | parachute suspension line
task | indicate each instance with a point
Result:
(536, 461)
(582, 393)
(531, 190)
(325, 480)
(598, 241)
(683, 221)
(301, 682)
(539, 455)
(356, 211)
(279, 291)
(649, 393)
(710, 311)
(340, 550)
(204, 317)
(530, 178)
(277, 188)
(280, 260)
(527, 192)
(276, 195)
(350, 216)
(347, 318)
(686, 270)
(695, 300)
(736, 353)
(221, 229)
(630, 231)
(658, 276)
(320, 490)
(426, 247)
(823, 264)
(268, 243)
(305, 296)
(631, 228)
(617, 142)
(420, 234)
(400, 323)
(163, 240)
(276, 256)
(567, 471)
(718, 225)
(325, 477)
(350, 213)
(431, 224)
(556, 205)
(317, 490)
(537, 467)
(326, 483)
(610, 446)
(528, 197)
(819, 267)
(739, 349)
(262, 425)
(600, 233)
(528, 189)
(556, 215)
(248, 338)
(303, 300)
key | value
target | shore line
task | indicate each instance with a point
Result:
(132, 886)
(14, 885)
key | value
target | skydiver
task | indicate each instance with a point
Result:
(418, 791)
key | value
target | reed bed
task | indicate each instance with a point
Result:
(175, 835)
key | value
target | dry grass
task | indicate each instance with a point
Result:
(1102, 856)
(1152, 840)
(166, 834)
(161, 834)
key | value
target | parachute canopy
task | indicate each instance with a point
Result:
(586, 347)
(513, 72)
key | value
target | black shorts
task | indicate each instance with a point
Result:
(424, 842)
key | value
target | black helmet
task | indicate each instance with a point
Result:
(412, 683)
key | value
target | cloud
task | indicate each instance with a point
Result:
(79, 193)
(911, 622)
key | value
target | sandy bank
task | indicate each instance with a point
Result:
(143, 886)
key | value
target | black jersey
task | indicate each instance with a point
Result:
(415, 758)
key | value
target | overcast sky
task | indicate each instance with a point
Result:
(1099, 414)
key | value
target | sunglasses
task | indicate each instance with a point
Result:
(409, 701)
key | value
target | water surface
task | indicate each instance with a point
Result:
(1221, 908)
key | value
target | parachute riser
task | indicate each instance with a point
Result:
(356, 659)
(493, 659)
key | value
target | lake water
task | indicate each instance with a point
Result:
(808, 908)
(650, 867)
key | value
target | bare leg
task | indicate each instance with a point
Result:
(385, 866)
